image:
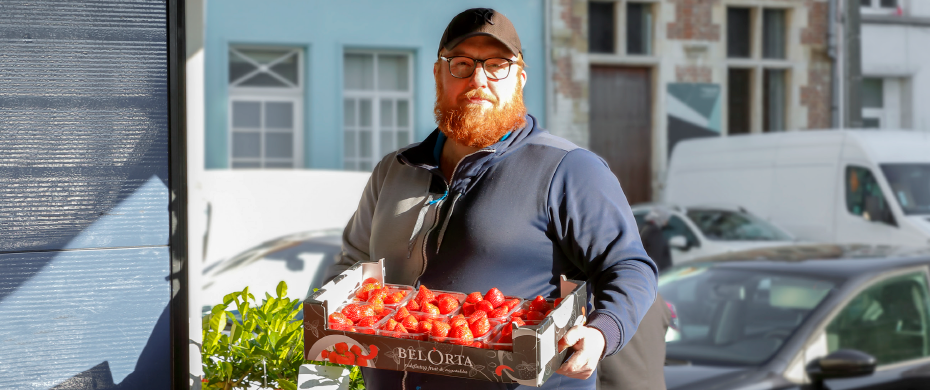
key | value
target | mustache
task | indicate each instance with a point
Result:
(479, 93)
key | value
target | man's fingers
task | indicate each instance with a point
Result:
(577, 366)
(571, 337)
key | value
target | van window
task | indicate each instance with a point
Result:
(910, 186)
(864, 196)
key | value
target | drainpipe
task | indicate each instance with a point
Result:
(547, 62)
(831, 52)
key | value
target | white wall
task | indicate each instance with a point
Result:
(900, 51)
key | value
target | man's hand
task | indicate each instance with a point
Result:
(588, 344)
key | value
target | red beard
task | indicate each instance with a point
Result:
(468, 125)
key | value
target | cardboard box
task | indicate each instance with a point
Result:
(533, 360)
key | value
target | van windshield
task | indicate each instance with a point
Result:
(910, 185)
(728, 225)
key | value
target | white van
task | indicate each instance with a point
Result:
(842, 186)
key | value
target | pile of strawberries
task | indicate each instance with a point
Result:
(536, 310)
(364, 315)
(372, 291)
(427, 302)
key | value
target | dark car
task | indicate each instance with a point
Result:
(800, 317)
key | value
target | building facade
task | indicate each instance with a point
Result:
(630, 79)
(895, 35)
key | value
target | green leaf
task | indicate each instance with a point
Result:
(218, 322)
(228, 298)
(227, 370)
(286, 385)
(281, 289)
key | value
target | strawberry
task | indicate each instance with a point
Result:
(487, 306)
(424, 294)
(341, 348)
(539, 304)
(425, 326)
(413, 305)
(376, 307)
(410, 323)
(367, 311)
(377, 295)
(557, 302)
(389, 325)
(364, 291)
(534, 316)
(474, 297)
(457, 321)
(368, 322)
(520, 313)
(462, 335)
(430, 308)
(479, 314)
(480, 327)
(448, 304)
(499, 312)
(440, 329)
(495, 296)
(401, 314)
(511, 303)
(396, 297)
(400, 328)
(339, 321)
(468, 309)
(519, 321)
(371, 281)
(478, 344)
(351, 311)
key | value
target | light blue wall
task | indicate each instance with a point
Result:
(324, 29)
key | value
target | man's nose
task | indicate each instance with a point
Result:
(478, 79)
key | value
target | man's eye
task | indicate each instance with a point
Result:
(461, 63)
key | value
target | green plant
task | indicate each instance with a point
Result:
(263, 346)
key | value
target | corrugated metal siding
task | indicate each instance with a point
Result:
(83, 170)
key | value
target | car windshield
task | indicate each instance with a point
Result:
(910, 185)
(725, 225)
(735, 317)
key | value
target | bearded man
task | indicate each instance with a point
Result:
(490, 199)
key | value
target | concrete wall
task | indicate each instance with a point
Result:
(324, 29)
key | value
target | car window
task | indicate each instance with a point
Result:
(864, 196)
(888, 321)
(677, 227)
(910, 184)
(736, 317)
(729, 225)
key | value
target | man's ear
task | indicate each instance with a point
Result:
(522, 78)
(436, 69)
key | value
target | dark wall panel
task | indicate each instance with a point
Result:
(84, 220)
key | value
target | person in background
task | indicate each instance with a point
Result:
(640, 364)
(490, 199)
(654, 240)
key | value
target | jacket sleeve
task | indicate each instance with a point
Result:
(593, 225)
(356, 237)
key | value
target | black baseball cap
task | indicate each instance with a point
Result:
(480, 21)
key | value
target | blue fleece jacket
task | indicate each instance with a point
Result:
(516, 216)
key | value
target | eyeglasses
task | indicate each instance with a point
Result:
(464, 67)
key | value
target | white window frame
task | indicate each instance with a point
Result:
(293, 93)
(890, 114)
(876, 9)
(375, 96)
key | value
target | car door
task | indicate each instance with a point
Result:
(890, 320)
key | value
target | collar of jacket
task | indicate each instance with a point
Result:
(470, 169)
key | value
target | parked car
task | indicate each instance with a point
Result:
(695, 232)
(838, 186)
(800, 317)
(299, 259)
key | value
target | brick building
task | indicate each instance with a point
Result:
(629, 79)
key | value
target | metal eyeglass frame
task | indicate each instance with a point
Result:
(483, 68)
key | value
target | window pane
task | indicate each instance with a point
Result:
(387, 113)
(773, 33)
(888, 321)
(287, 68)
(600, 27)
(738, 100)
(773, 100)
(386, 139)
(738, 32)
(279, 164)
(871, 123)
(238, 66)
(359, 72)
(365, 166)
(639, 28)
(247, 114)
(403, 114)
(403, 138)
(864, 196)
(866, 3)
(262, 80)
(349, 144)
(348, 113)
(279, 115)
(246, 145)
(365, 112)
(365, 144)
(279, 145)
(392, 72)
(889, 3)
(872, 93)
(246, 164)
